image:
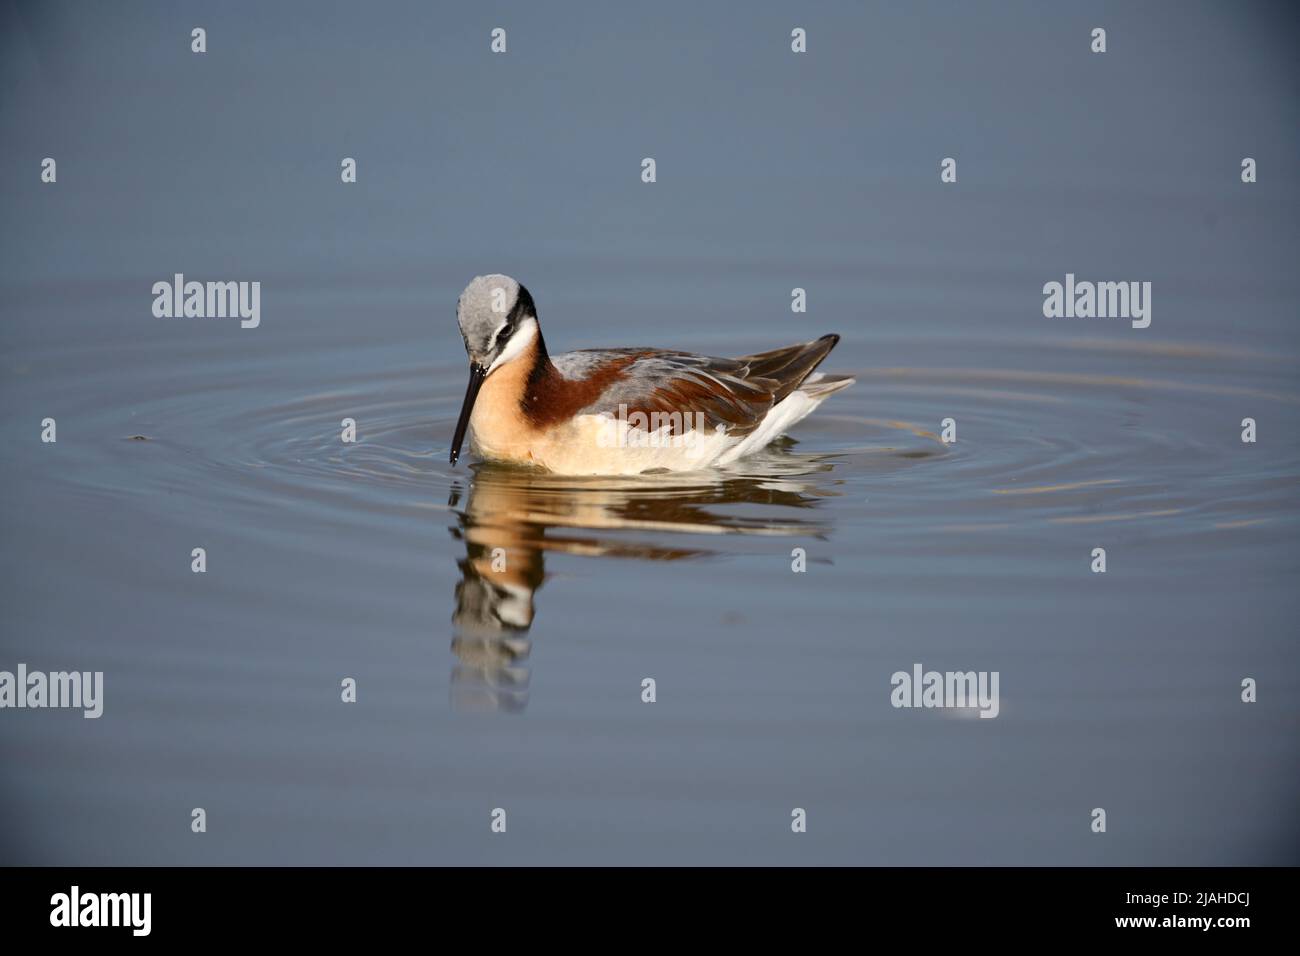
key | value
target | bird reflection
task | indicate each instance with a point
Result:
(512, 516)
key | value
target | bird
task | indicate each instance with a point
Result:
(620, 411)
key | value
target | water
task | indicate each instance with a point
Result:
(521, 689)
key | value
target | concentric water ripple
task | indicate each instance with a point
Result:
(1031, 448)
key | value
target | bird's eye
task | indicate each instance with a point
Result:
(504, 335)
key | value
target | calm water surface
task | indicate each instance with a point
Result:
(522, 689)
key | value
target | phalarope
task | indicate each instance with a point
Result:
(620, 411)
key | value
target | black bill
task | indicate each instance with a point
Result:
(476, 375)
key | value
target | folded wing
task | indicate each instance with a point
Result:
(735, 393)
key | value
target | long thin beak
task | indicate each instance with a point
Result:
(476, 375)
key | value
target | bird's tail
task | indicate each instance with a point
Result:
(818, 385)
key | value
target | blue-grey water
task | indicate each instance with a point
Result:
(522, 689)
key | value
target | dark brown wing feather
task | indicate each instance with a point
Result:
(736, 393)
(791, 365)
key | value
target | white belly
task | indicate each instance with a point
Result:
(600, 445)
